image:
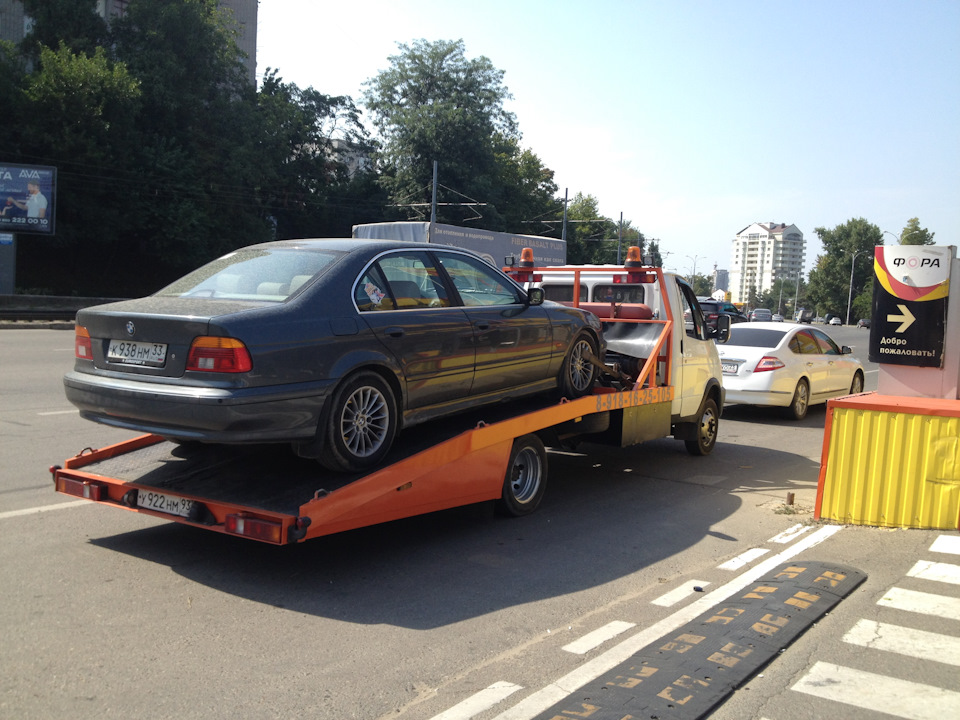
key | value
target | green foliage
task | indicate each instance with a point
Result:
(913, 234)
(74, 23)
(702, 284)
(779, 298)
(846, 247)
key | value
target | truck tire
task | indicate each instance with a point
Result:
(707, 428)
(797, 410)
(361, 425)
(577, 374)
(526, 479)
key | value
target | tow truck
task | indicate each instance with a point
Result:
(664, 379)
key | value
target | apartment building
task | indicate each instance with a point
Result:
(15, 24)
(761, 254)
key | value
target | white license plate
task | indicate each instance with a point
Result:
(137, 353)
(170, 504)
(729, 368)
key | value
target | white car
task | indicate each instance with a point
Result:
(786, 365)
(836, 320)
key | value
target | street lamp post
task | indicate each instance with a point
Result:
(853, 259)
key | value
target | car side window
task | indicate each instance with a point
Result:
(413, 281)
(477, 282)
(826, 343)
(806, 343)
(372, 292)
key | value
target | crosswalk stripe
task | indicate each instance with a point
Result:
(921, 602)
(744, 558)
(901, 698)
(946, 544)
(940, 572)
(905, 641)
(598, 637)
(477, 703)
(677, 594)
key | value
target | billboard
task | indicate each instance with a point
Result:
(910, 292)
(27, 198)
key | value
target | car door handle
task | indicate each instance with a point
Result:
(482, 325)
(395, 332)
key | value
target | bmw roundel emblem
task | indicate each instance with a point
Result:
(131, 328)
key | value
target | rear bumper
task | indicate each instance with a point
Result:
(283, 413)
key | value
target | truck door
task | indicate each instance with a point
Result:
(698, 354)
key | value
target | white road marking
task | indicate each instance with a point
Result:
(538, 702)
(946, 544)
(59, 412)
(476, 704)
(743, 559)
(940, 572)
(921, 602)
(43, 508)
(598, 637)
(905, 641)
(674, 596)
(880, 693)
(790, 534)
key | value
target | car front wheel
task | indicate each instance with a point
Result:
(361, 426)
(578, 372)
(856, 387)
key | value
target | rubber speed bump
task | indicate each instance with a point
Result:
(689, 672)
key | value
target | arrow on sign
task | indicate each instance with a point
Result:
(905, 320)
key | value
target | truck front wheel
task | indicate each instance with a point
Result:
(707, 428)
(526, 479)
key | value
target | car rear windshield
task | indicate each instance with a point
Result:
(742, 334)
(272, 275)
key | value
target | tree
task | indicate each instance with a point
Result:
(432, 103)
(913, 234)
(74, 23)
(846, 246)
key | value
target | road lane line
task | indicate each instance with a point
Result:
(905, 641)
(921, 602)
(546, 697)
(477, 703)
(939, 572)
(598, 637)
(905, 699)
(946, 544)
(674, 596)
(790, 534)
(59, 412)
(743, 559)
(43, 508)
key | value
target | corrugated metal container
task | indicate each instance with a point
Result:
(892, 462)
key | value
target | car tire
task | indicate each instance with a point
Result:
(361, 425)
(526, 480)
(856, 387)
(797, 410)
(577, 374)
(707, 427)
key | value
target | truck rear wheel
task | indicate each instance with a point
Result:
(707, 428)
(361, 426)
(526, 479)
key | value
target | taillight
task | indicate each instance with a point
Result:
(219, 354)
(89, 489)
(768, 362)
(254, 527)
(82, 347)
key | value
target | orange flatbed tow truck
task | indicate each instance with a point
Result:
(497, 453)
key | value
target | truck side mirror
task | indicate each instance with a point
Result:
(723, 328)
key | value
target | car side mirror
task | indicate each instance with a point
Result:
(723, 328)
(845, 349)
(535, 296)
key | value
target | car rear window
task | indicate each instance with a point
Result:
(253, 274)
(742, 334)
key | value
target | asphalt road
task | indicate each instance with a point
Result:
(455, 615)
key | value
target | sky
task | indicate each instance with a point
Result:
(692, 119)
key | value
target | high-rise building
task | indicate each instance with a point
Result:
(761, 254)
(15, 24)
